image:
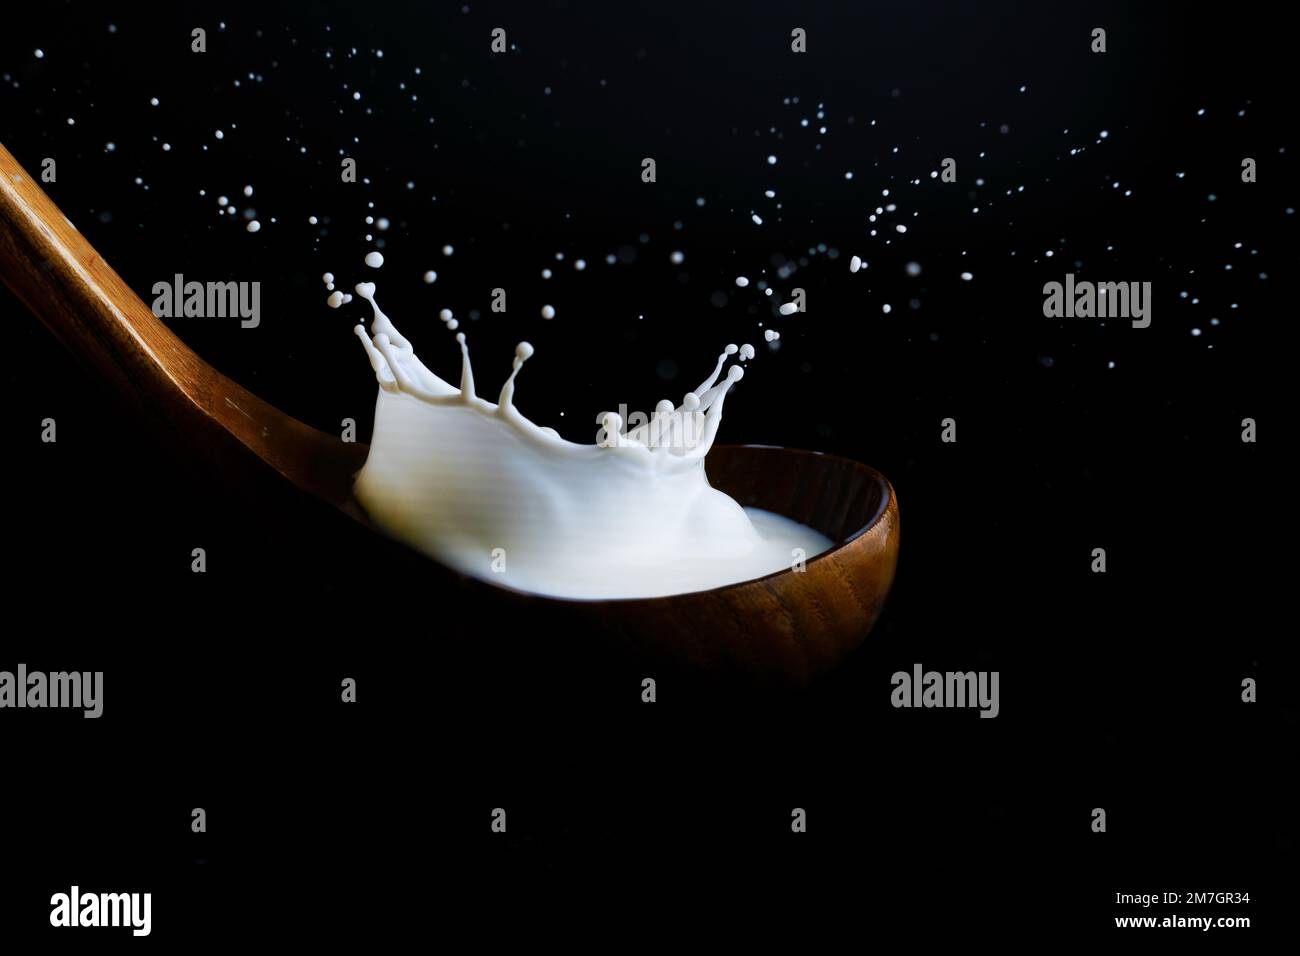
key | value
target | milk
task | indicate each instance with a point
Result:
(481, 488)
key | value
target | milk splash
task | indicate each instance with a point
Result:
(481, 488)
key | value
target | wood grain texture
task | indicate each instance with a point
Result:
(783, 629)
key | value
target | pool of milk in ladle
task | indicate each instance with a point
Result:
(479, 487)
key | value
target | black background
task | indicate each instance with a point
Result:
(1119, 690)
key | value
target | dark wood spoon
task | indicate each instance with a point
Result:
(783, 628)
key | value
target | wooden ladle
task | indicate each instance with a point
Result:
(783, 628)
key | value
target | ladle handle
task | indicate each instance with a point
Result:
(60, 277)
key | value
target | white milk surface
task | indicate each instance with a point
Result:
(479, 487)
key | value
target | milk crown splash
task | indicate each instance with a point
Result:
(399, 370)
(483, 489)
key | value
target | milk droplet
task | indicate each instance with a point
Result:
(966, 276)
(677, 258)
(374, 259)
(335, 300)
(771, 335)
(580, 264)
(771, 160)
(253, 226)
(40, 54)
(758, 220)
(445, 315)
(327, 278)
(901, 228)
(742, 281)
(220, 135)
(548, 312)
(248, 190)
(855, 264)
(447, 250)
(886, 308)
(430, 277)
(789, 308)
